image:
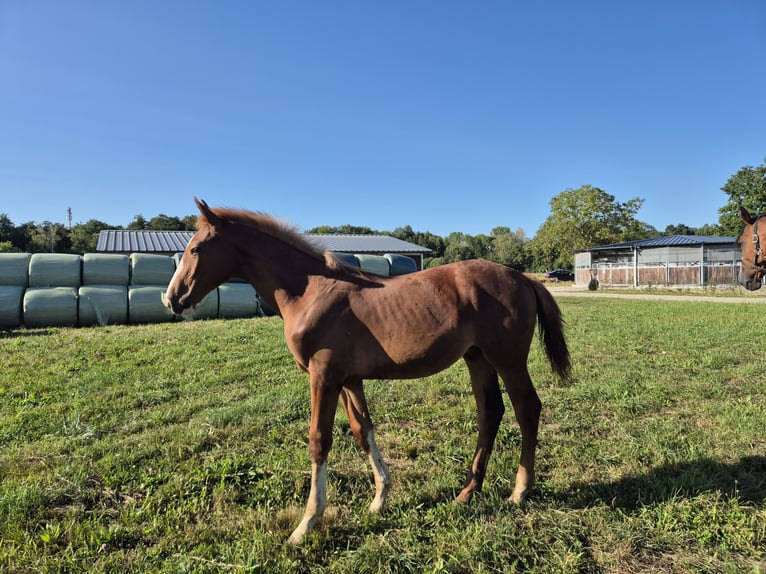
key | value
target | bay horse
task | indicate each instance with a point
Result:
(343, 325)
(753, 264)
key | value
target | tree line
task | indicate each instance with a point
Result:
(579, 218)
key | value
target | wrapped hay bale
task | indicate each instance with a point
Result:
(105, 269)
(145, 304)
(14, 269)
(376, 264)
(103, 304)
(347, 259)
(55, 270)
(151, 269)
(400, 264)
(237, 300)
(11, 297)
(50, 307)
(208, 307)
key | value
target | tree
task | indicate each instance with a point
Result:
(48, 237)
(164, 222)
(84, 236)
(679, 229)
(581, 218)
(138, 223)
(189, 222)
(746, 188)
(510, 248)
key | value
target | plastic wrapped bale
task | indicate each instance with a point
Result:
(55, 270)
(50, 307)
(400, 264)
(145, 304)
(105, 269)
(14, 269)
(151, 269)
(208, 307)
(376, 264)
(347, 259)
(237, 300)
(103, 304)
(11, 297)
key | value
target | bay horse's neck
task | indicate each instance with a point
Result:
(279, 271)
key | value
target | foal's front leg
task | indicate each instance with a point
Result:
(353, 399)
(324, 402)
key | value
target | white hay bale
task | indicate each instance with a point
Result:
(376, 264)
(50, 307)
(11, 297)
(400, 264)
(103, 304)
(55, 270)
(151, 269)
(208, 307)
(348, 259)
(145, 304)
(237, 300)
(14, 269)
(105, 269)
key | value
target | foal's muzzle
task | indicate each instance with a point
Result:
(179, 304)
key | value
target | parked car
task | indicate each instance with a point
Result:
(560, 275)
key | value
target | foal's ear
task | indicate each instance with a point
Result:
(746, 217)
(207, 213)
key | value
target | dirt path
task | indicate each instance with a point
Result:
(584, 292)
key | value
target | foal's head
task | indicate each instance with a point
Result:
(752, 241)
(206, 263)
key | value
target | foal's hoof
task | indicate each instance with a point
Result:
(464, 497)
(518, 497)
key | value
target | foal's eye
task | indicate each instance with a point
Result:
(194, 250)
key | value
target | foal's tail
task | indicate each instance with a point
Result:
(551, 326)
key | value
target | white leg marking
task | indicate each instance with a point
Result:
(381, 474)
(316, 504)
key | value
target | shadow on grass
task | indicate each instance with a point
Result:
(12, 333)
(744, 480)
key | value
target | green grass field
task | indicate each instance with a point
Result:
(183, 448)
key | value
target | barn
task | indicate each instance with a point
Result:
(673, 260)
(171, 242)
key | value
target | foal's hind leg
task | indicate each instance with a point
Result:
(527, 406)
(352, 397)
(489, 409)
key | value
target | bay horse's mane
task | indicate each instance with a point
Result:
(278, 229)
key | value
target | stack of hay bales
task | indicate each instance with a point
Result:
(14, 280)
(53, 289)
(149, 277)
(51, 299)
(104, 291)
(388, 265)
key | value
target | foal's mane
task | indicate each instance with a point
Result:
(275, 227)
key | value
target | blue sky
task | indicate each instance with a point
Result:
(444, 115)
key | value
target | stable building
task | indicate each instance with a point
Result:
(673, 260)
(171, 242)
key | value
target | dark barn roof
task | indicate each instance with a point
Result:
(127, 241)
(665, 241)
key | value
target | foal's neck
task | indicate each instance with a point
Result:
(279, 271)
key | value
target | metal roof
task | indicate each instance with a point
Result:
(127, 241)
(364, 244)
(665, 241)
